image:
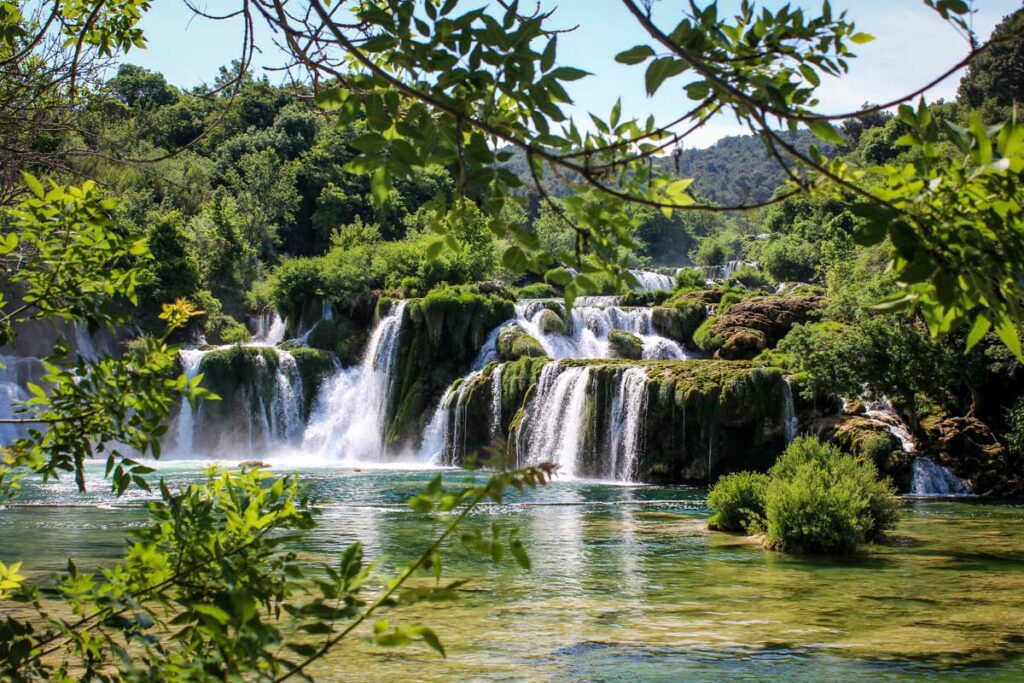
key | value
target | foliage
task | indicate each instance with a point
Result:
(689, 278)
(713, 251)
(751, 278)
(739, 502)
(209, 588)
(819, 500)
(790, 259)
(536, 290)
(1015, 437)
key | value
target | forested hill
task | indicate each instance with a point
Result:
(735, 170)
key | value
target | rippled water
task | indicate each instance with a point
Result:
(628, 584)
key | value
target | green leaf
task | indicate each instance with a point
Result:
(661, 69)
(33, 184)
(635, 55)
(978, 331)
(568, 73)
(1007, 331)
(862, 38)
(825, 131)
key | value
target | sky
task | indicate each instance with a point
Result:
(913, 46)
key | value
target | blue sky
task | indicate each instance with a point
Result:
(912, 46)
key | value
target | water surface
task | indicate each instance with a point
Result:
(627, 584)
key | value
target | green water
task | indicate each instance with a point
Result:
(627, 584)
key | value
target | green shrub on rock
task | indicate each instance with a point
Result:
(690, 278)
(625, 344)
(738, 502)
(537, 290)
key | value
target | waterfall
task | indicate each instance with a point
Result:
(496, 402)
(270, 329)
(725, 271)
(932, 479)
(587, 331)
(350, 416)
(190, 361)
(83, 342)
(790, 422)
(15, 374)
(556, 417)
(629, 411)
(286, 404)
(882, 411)
(651, 281)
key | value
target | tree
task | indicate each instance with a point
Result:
(141, 88)
(997, 75)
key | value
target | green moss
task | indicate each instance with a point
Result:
(340, 337)
(678, 322)
(223, 329)
(315, 366)
(441, 335)
(551, 322)
(537, 290)
(514, 342)
(625, 344)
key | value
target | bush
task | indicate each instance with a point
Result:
(750, 278)
(820, 500)
(790, 259)
(713, 251)
(816, 499)
(537, 290)
(690, 278)
(1015, 436)
(739, 502)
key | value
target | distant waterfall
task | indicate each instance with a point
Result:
(350, 415)
(629, 410)
(587, 331)
(12, 394)
(496, 402)
(932, 479)
(651, 281)
(726, 270)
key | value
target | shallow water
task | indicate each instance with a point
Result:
(627, 584)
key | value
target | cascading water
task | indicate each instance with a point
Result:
(932, 479)
(726, 270)
(651, 281)
(349, 418)
(270, 330)
(496, 402)
(587, 331)
(12, 395)
(629, 410)
(883, 412)
(190, 360)
(790, 422)
(555, 418)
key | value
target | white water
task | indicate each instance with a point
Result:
(12, 394)
(496, 402)
(790, 422)
(555, 418)
(349, 417)
(190, 360)
(270, 330)
(629, 411)
(932, 479)
(651, 281)
(587, 331)
(725, 271)
(883, 412)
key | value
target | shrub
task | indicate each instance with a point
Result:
(750, 278)
(537, 290)
(713, 251)
(820, 500)
(739, 502)
(1015, 436)
(789, 258)
(234, 333)
(690, 278)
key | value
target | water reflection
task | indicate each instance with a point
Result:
(628, 585)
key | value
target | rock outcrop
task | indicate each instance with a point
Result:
(754, 324)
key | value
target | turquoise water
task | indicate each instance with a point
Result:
(627, 584)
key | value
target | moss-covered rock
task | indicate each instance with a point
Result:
(514, 342)
(970, 450)
(315, 366)
(551, 322)
(754, 324)
(702, 419)
(440, 336)
(867, 439)
(625, 344)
